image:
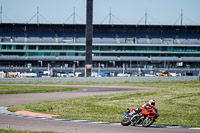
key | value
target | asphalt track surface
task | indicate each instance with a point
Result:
(34, 124)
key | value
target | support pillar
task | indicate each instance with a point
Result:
(89, 35)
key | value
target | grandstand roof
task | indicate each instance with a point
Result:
(100, 28)
(98, 25)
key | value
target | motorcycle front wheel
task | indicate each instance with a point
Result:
(148, 122)
(125, 121)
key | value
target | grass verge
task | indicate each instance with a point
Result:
(4, 89)
(178, 104)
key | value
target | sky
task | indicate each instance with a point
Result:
(159, 12)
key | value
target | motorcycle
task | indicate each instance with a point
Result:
(145, 118)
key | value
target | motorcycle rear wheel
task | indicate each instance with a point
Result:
(148, 122)
(125, 121)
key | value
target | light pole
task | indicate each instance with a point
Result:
(89, 35)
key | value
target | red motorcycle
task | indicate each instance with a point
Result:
(145, 118)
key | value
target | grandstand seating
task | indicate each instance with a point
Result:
(101, 40)
(132, 35)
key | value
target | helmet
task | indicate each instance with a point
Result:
(152, 102)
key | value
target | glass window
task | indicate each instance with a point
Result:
(3, 47)
(71, 48)
(19, 47)
(70, 54)
(62, 54)
(44, 47)
(79, 48)
(13, 47)
(32, 47)
(56, 47)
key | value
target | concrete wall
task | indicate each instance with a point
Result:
(102, 79)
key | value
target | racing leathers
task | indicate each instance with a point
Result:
(138, 110)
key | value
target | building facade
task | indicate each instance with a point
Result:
(114, 46)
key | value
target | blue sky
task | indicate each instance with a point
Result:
(164, 12)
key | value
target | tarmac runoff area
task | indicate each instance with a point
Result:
(27, 114)
(8, 118)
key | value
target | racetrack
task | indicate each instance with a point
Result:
(34, 124)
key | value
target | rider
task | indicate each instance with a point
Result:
(148, 105)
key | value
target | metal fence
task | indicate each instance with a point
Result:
(101, 79)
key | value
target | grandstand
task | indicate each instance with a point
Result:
(114, 46)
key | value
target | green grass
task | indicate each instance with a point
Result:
(4, 89)
(18, 131)
(178, 102)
